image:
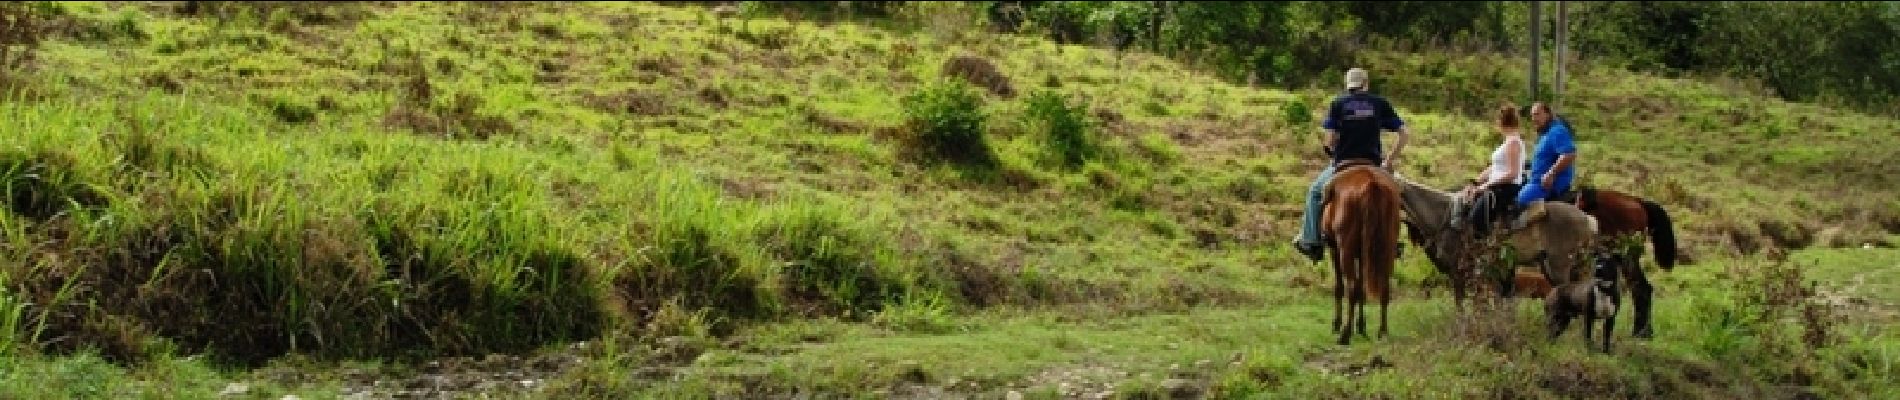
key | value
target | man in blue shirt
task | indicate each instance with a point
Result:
(1353, 124)
(1551, 162)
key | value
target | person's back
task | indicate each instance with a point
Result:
(1360, 117)
(1353, 124)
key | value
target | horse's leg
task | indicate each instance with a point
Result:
(1385, 293)
(1359, 300)
(1364, 293)
(1343, 266)
(1352, 300)
(1640, 291)
(1458, 283)
(1339, 289)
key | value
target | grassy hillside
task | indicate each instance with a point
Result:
(636, 197)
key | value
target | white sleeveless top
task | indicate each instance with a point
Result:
(1500, 167)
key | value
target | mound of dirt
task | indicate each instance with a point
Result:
(981, 72)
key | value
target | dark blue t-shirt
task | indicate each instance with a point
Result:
(1360, 117)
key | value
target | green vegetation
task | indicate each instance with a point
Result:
(610, 198)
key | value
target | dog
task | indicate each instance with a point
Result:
(1592, 299)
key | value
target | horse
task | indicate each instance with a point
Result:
(1361, 221)
(1555, 233)
(1428, 223)
(1624, 215)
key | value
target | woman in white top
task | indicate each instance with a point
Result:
(1506, 172)
(1502, 178)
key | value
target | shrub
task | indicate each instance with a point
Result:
(1065, 125)
(947, 120)
(1297, 113)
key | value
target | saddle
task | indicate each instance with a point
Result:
(1342, 165)
(1488, 209)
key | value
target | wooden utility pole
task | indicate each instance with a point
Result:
(1535, 42)
(1557, 95)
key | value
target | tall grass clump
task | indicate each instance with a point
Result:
(832, 260)
(1065, 127)
(947, 121)
(247, 250)
(688, 251)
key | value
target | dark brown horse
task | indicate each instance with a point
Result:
(1361, 220)
(1620, 215)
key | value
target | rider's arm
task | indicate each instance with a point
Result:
(1398, 146)
(1566, 147)
(1394, 123)
(1563, 161)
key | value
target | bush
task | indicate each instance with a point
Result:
(1066, 127)
(1297, 113)
(947, 121)
(829, 261)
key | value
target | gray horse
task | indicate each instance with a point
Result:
(1551, 232)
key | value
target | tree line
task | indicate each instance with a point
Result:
(1840, 53)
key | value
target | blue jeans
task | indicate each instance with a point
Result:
(1535, 191)
(1309, 224)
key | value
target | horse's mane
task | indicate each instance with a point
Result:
(1402, 180)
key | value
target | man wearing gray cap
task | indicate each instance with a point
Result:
(1353, 124)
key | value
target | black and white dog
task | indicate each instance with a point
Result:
(1593, 298)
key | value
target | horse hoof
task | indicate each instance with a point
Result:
(1644, 334)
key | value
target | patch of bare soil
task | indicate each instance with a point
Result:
(1086, 381)
(1850, 297)
(445, 378)
(1335, 364)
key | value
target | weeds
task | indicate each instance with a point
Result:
(1065, 128)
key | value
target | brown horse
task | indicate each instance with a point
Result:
(1620, 215)
(1361, 220)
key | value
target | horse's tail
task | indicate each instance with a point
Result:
(1662, 234)
(1381, 240)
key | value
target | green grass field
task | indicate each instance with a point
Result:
(597, 199)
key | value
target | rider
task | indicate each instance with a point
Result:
(1552, 165)
(1353, 124)
(1503, 177)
